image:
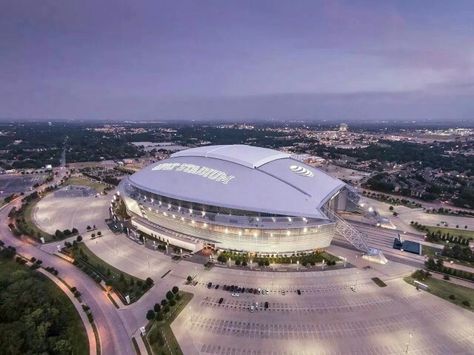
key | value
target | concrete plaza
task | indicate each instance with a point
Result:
(53, 212)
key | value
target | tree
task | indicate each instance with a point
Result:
(169, 295)
(164, 302)
(150, 314)
(439, 264)
(99, 233)
(88, 228)
(391, 208)
(157, 307)
(430, 264)
(79, 238)
(149, 281)
(74, 230)
(189, 278)
(175, 289)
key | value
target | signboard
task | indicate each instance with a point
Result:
(204, 171)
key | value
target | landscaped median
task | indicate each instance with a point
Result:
(122, 283)
(459, 295)
(304, 259)
(160, 337)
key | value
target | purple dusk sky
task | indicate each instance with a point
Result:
(289, 60)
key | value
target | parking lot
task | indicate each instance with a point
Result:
(328, 316)
(10, 184)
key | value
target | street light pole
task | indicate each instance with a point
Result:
(410, 335)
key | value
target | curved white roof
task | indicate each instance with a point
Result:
(246, 155)
(241, 177)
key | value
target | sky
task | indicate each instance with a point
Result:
(234, 60)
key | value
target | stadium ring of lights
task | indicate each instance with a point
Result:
(235, 197)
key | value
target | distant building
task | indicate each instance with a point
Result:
(343, 127)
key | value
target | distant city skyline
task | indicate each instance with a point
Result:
(328, 60)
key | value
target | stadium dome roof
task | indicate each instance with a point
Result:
(241, 177)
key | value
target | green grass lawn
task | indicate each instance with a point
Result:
(171, 346)
(33, 230)
(453, 231)
(31, 303)
(85, 181)
(120, 280)
(444, 289)
(430, 251)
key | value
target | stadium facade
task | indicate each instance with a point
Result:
(236, 197)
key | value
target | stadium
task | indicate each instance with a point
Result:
(236, 197)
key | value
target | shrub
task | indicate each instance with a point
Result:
(166, 309)
(452, 297)
(159, 316)
(466, 303)
(172, 303)
(175, 289)
(164, 302)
